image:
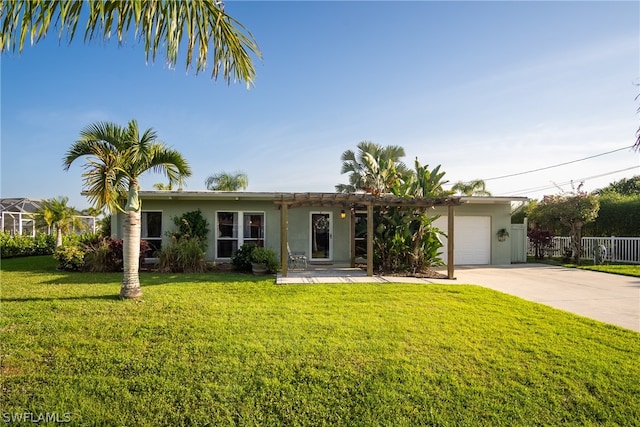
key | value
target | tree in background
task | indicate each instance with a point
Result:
(57, 214)
(163, 187)
(373, 169)
(174, 25)
(225, 181)
(573, 211)
(619, 209)
(115, 158)
(624, 187)
(477, 187)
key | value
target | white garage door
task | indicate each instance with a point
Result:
(472, 236)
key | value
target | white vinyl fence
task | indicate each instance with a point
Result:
(619, 249)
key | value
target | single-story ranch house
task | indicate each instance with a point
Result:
(326, 227)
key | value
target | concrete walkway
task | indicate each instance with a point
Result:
(605, 297)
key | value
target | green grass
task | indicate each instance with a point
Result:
(612, 268)
(624, 269)
(224, 349)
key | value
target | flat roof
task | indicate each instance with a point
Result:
(302, 198)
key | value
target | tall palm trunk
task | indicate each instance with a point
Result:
(131, 254)
(58, 236)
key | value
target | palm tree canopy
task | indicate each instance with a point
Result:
(194, 25)
(55, 212)
(225, 181)
(476, 187)
(117, 156)
(372, 169)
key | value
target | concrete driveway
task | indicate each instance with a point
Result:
(605, 297)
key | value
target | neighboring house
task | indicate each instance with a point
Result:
(17, 215)
(319, 224)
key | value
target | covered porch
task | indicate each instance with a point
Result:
(351, 202)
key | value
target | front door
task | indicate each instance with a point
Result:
(321, 238)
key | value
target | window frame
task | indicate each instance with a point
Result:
(144, 230)
(238, 233)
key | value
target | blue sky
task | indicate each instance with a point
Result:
(484, 89)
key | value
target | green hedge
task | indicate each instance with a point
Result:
(618, 216)
(15, 246)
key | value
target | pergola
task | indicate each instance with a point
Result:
(363, 201)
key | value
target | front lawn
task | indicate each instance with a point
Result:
(220, 349)
(624, 269)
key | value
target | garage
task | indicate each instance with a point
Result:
(472, 236)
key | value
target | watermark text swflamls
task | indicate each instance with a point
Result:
(36, 417)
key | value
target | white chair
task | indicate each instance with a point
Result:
(296, 260)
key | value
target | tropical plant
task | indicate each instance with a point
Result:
(373, 169)
(194, 26)
(183, 255)
(225, 181)
(191, 225)
(57, 214)
(163, 187)
(476, 187)
(107, 254)
(115, 158)
(241, 259)
(404, 238)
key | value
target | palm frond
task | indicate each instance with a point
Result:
(203, 24)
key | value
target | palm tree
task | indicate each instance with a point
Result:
(115, 158)
(476, 187)
(225, 181)
(373, 169)
(161, 186)
(173, 24)
(55, 213)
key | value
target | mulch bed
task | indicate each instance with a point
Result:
(424, 274)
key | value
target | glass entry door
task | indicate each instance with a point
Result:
(321, 236)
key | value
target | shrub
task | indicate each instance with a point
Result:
(107, 255)
(182, 255)
(265, 256)
(13, 246)
(70, 258)
(241, 259)
(191, 225)
(44, 244)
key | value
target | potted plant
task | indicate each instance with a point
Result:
(502, 234)
(263, 260)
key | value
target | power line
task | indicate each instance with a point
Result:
(548, 187)
(558, 165)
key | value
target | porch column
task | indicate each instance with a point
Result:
(370, 239)
(284, 253)
(450, 240)
(352, 239)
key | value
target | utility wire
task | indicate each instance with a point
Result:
(548, 187)
(558, 165)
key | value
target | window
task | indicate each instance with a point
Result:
(231, 234)
(151, 229)
(361, 234)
